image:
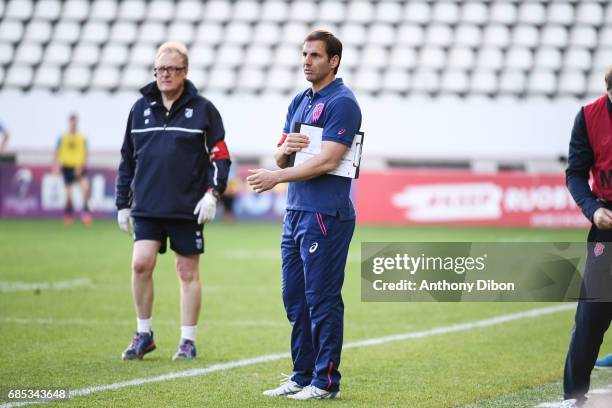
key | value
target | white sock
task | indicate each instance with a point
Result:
(188, 332)
(144, 325)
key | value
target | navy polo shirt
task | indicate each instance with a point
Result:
(335, 109)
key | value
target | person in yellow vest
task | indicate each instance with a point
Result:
(71, 156)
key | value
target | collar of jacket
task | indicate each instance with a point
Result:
(152, 93)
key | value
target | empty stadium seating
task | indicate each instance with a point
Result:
(523, 48)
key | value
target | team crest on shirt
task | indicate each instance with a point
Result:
(317, 111)
(147, 112)
(188, 112)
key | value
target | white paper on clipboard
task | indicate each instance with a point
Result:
(348, 166)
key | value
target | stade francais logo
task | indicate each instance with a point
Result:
(449, 202)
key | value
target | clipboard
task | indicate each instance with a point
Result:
(349, 164)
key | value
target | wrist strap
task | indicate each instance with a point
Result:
(214, 192)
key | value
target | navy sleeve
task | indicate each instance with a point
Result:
(219, 158)
(290, 111)
(126, 169)
(287, 127)
(579, 164)
(343, 121)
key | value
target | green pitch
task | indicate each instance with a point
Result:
(71, 335)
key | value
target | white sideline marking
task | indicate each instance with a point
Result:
(596, 391)
(8, 286)
(74, 322)
(85, 322)
(355, 344)
(600, 391)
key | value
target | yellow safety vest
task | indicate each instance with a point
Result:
(72, 150)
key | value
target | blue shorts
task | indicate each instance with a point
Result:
(70, 176)
(186, 236)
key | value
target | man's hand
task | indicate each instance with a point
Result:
(294, 143)
(602, 218)
(262, 180)
(125, 221)
(206, 208)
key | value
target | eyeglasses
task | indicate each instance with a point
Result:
(169, 70)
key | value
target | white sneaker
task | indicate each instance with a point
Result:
(287, 387)
(311, 392)
(570, 403)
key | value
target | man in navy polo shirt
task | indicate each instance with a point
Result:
(319, 222)
(174, 166)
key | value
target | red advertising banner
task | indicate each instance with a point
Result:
(463, 198)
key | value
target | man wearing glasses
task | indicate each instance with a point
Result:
(174, 167)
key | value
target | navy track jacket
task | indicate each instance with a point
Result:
(169, 159)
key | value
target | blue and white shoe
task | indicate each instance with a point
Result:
(604, 362)
(311, 392)
(186, 350)
(142, 343)
(287, 387)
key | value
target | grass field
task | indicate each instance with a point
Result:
(72, 337)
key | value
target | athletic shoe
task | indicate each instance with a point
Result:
(311, 392)
(570, 403)
(86, 218)
(186, 350)
(604, 362)
(142, 343)
(287, 387)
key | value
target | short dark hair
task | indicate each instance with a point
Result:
(333, 46)
(609, 80)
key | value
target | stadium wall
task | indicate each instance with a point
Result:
(392, 197)
(416, 128)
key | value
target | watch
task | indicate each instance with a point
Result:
(215, 193)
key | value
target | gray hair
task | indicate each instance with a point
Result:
(174, 46)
